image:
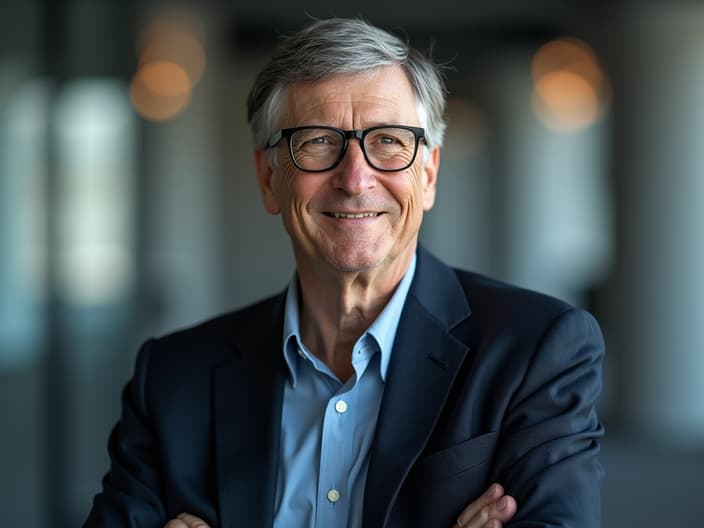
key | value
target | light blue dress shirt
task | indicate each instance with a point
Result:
(327, 426)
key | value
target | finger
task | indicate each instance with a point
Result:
(504, 509)
(493, 514)
(493, 493)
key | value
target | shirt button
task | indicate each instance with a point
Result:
(341, 406)
(333, 495)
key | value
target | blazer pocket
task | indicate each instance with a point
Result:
(440, 485)
(457, 459)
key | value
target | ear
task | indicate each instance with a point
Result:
(430, 178)
(265, 174)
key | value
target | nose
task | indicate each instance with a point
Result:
(354, 175)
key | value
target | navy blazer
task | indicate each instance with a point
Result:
(487, 382)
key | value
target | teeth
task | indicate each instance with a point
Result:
(348, 215)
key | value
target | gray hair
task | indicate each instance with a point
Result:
(339, 46)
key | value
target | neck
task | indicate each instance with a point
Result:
(337, 308)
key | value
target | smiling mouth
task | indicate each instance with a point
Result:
(352, 215)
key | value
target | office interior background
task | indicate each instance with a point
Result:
(573, 164)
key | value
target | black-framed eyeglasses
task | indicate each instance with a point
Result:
(387, 148)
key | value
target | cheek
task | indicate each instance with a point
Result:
(297, 192)
(410, 194)
(284, 184)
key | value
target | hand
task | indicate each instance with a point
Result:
(186, 520)
(490, 510)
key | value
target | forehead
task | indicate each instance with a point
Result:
(382, 95)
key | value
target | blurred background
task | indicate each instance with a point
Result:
(574, 164)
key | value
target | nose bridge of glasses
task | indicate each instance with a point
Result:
(352, 134)
(357, 134)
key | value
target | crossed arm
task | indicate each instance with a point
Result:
(490, 510)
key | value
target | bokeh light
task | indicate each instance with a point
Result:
(171, 62)
(571, 90)
(160, 91)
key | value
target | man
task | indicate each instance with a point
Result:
(382, 388)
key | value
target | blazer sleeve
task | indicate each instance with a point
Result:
(131, 490)
(547, 456)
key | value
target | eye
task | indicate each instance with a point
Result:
(389, 137)
(320, 140)
(315, 138)
(387, 140)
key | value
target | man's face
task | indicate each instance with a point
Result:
(316, 207)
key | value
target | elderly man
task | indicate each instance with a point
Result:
(382, 388)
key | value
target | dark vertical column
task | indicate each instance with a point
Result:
(54, 54)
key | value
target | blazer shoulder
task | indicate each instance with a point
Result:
(214, 338)
(229, 322)
(493, 303)
(495, 300)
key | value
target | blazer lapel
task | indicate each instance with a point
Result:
(424, 363)
(247, 402)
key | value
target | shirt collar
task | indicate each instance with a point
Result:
(383, 329)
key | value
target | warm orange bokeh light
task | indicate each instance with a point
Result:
(165, 78)
(567, 54)
(160, 91)
(171, 62)
(571, 89)
(565, 101)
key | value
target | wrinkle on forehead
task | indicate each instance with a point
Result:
(380, 96)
